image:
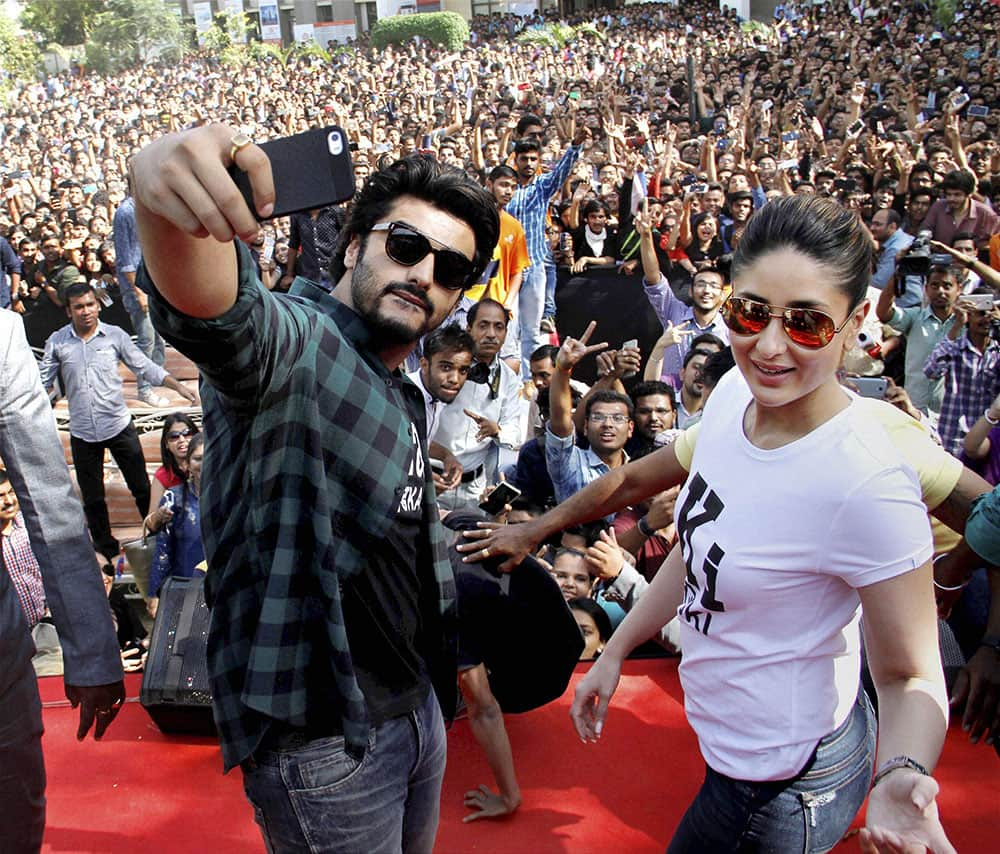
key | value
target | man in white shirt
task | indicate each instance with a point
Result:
(444, 368)
(485, 416)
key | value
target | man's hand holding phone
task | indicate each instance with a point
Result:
(184, 179)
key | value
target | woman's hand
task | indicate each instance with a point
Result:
(593, 694)
(902, 816)
(159, 518)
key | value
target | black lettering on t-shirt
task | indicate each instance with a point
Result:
(700, 615)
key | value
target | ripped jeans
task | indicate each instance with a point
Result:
(808, 814)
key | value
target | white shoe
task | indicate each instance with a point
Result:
(151, 398)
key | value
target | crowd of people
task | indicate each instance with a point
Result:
(649, 147)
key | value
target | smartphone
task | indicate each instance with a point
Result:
(791, 163)
(848, 185)
(437, 465)
(804, 92)
(427, 141)
(267, 250)
(311, 170)
(699, 188)
(791, 136)
(959, 101)
(499, 497)
(631, 344)
(980, 302)
(767, 104)
(977, 111)
(722, 144)
(870, 386)
(855, 128)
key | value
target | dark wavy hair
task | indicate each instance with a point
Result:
(820, 229)
(169, 463)
(421, 177)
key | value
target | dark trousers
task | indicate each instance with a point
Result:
(22, 770)
(88, 459)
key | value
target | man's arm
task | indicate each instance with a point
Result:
(887, 300)
(33, 454)
(188, 210)
(620, 487)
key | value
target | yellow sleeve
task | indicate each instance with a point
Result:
(938, 470)
(684, 445)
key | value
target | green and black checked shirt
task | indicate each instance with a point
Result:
(307, 441)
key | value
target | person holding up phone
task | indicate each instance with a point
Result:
(332, 595)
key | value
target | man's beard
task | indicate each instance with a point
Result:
(386, 330)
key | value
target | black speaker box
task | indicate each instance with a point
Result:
(175, 688)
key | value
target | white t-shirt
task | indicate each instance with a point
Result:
(776, 543)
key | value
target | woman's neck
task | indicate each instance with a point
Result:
(771, 427)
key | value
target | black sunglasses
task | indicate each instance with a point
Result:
(405, 245)
(173, 435)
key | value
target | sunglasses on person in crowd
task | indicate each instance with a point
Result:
(807, 327)
(174, 435)
(405, 245)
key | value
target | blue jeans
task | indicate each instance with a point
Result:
(550, 288)
(148, 340)
(808, 814)
(318, 798)
(530, 303)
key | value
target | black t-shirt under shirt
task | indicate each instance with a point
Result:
(383, 603)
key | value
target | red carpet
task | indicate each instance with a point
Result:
(139, 790)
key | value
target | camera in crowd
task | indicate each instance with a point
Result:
(919, 259)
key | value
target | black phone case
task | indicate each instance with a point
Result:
(497, 499)
(306, 174)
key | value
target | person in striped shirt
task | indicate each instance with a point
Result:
(529, 206)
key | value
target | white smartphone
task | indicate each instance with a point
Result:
(631, 344)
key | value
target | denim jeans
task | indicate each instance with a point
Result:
(808, 814)
(148, 340)
(550, 288)
(318, 798)
(22, 770)
(530, 303)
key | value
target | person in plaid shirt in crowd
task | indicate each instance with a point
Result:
(968, 362)
(332, 595)
(18, 557)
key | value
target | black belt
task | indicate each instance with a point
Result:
(469, 476)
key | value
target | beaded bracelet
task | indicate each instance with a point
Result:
(898, 762)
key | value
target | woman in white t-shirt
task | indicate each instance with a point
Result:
(798, 512)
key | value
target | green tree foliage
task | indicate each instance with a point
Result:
(19, 57)
(558, 35)
(443, 28)
(129, 32)
(65, 22)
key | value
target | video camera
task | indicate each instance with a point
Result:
(918, 260)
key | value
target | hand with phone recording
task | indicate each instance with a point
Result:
(184, 178)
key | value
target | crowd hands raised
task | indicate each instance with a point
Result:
(871, 113)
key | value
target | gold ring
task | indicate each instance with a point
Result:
(241, 140)
(486, 553)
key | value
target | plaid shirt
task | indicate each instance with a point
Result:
(530, 203)
(970, 385)
(307, 440)
(23, 571)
